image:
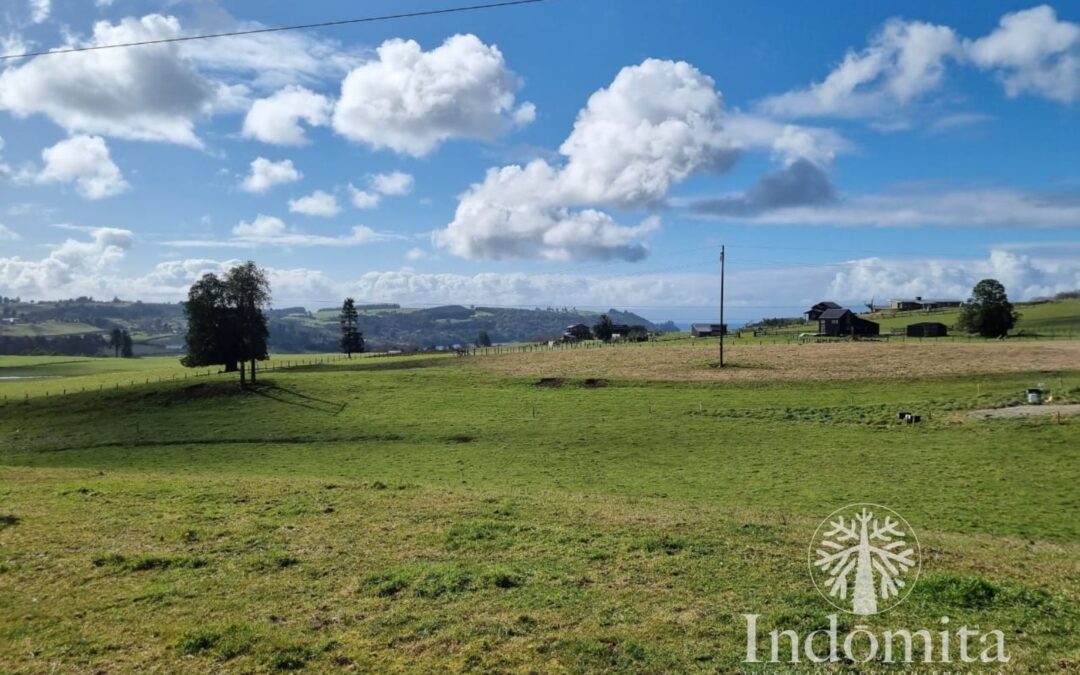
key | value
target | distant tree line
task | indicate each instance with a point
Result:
(87, 344)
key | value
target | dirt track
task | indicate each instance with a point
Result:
(842, 360)
(1028, 411)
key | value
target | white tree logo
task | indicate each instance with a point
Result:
(864, 559)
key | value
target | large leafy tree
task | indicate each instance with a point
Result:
(352, 340)
(988, 312)
(226, 320)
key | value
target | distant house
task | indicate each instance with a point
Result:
(905, 304)
(620, 330)
(840, 322)
(707, 329)
(578, 331)
(814, 313)
(927, 329)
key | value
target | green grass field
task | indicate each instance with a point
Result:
(1049, 318)
(433, 513)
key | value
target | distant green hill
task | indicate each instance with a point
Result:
(159, 328)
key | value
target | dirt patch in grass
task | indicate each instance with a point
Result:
(812, 361)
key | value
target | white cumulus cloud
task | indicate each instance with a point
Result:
(318, 203)
(276, 119)
(1033, 52)
(84, 161)
(903, 61)
(657, 123)
(74, 266)
(143, 94)
(363, 199)
(393, 183)
(410, 100)
(265, 174)
(40, 10)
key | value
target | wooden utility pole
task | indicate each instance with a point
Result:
(723, 328)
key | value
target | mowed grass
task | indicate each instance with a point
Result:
(424, 514)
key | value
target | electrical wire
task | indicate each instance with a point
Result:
(275, 29)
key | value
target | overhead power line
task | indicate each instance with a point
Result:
(277, 29)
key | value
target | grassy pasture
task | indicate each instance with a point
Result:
(542, 512)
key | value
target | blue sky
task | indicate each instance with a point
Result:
(587, 153)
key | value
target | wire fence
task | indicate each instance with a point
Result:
(273, 365)
(734, 339)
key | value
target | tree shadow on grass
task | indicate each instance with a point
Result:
(292, 397)
(375, 364)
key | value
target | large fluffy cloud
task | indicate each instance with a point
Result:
(159, 92)
(148, 93)
(276, 119)
(410, 101)
(1033, 52)
(656, 123)
(903, 61)
(84, 161)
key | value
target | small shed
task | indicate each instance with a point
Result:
(927, 329)
(708, 329)
(815, 312)
(840, 322)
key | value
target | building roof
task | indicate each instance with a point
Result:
(927, 323)
(824, 304)
(834, 313)
(705, 326)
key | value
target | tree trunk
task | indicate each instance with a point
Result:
(243, 379)
(253, 371)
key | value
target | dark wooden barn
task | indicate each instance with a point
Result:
(707, 329)
(578, 331)
(927, 329)
(814, 313)
(840, 322)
